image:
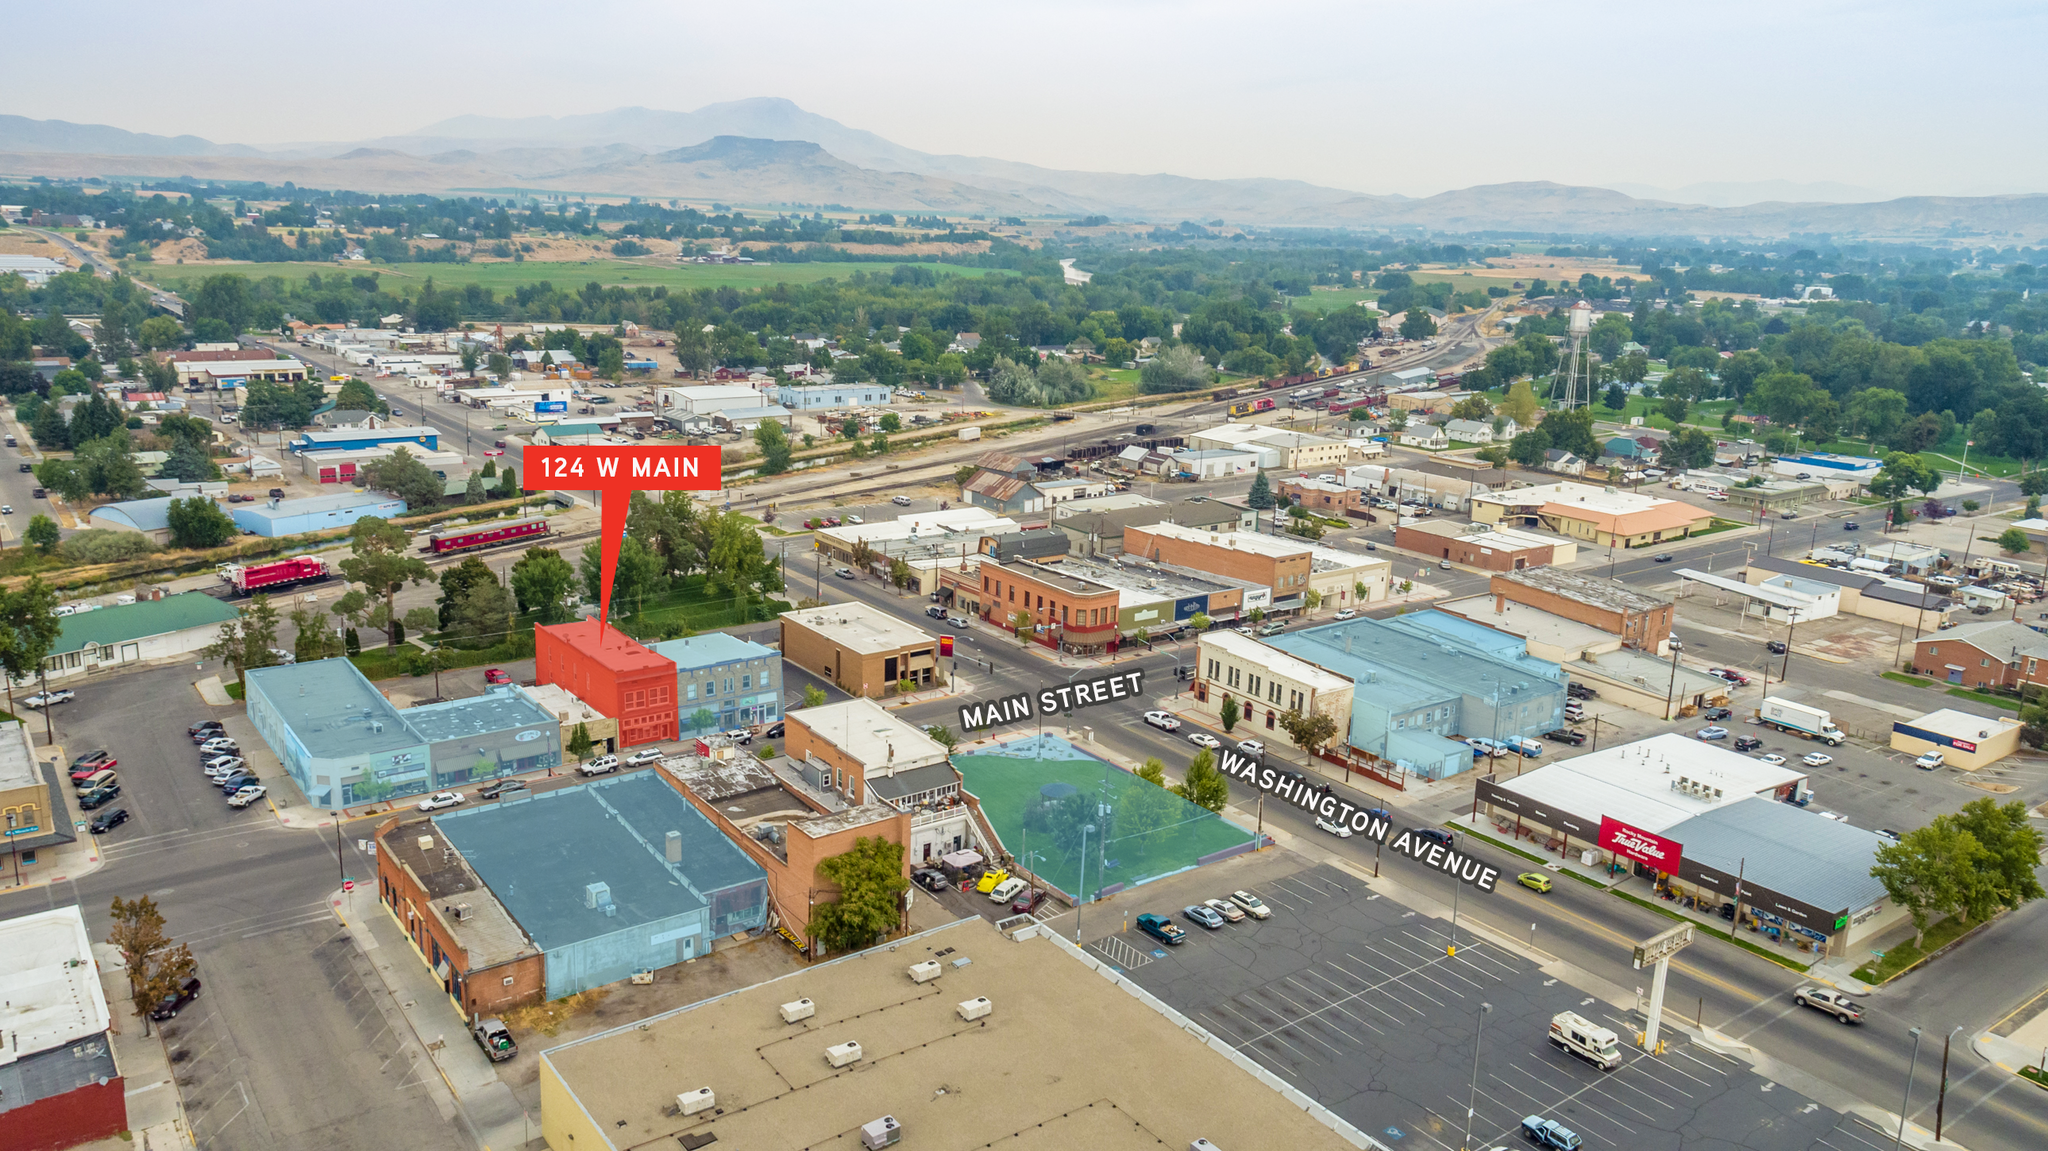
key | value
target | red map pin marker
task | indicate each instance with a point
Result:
(615, 473)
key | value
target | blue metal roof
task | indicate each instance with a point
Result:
(711, 649)
(142, 515)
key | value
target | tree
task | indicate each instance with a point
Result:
(580, 742)
(1228, 713)
(499, 364)
(541, 580)
(1309, 732)
(483, 613)
(28, 630)
(1689, 448)
(249, 640)
(188, 462)
(1417, 325)
(2034, 483)
(378, 560)
(1177, 369)
(1902, 472)
(1616, 398)
(1261, 494)
(156, 970)
(1573, 432)
(2012, 844)
(1472, 407)
(1495, 454)
(1876, 413)
(871, 885)
(275, 406)
(198, 522)
(943, 736)
(640, 573)
(160, 332)
(1527, 449)
(311, 639)
(1202, 784)
(814, 696)
(1673, 408)
(1311, 600)
(775, 448)
(404, 476)
(456, 583)
(2013, 541)
(42, 533)
(357, 396)
(473, 492)
(1152, 771)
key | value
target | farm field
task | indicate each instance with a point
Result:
(511, 276)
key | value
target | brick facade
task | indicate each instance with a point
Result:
(1641, 620)
(1492, 554)
(611, 672)
(1287, 575)
(1083, 612)
(1327, 498)
(479, 990)
(1972, 666)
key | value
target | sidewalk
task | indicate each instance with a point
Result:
(494, 1115)
(156, 1109)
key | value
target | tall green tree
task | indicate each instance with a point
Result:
(29, 628)
(541, 580)
(198, 522)
(456, 583)
(156, 968)
(1203, 784)
(871, 886)
(640, 573)
(42, 533)
(249, 640)
(379, 560)
(775, 448)
(1261, 494)
(1904, 472)
(484, 613)
(404, 476)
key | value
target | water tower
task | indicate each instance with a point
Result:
(1573, 385)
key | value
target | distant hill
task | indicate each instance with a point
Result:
(769, 151)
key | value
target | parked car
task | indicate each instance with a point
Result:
(98, 797)
(1535, 881)
(245, 796)
(956, 621)
(1816, 759)
(1274, 628)
(500, 788)
(1565, 735)
(990, 880)
(203, 726)
(1336, 829)
(1251, 904)
(108, 820)
(1549, 1133)
(930, 878)
(1161, 928)
(1931, 761)
(1201, 914)
(935, 611)
(1164, 721)
(45, 699)
(1252, 747)
(236, 782)
(599, 766)
(900, 501)
(496, 675)
(92, 761)
(491, 1035)
(1731, 675)
(775, 730)
(1204, 739)
(1717, 714)
(1747, 743)
(844, 573)
(1831, 1001)
(1223, 907)
(1774, 759)
(1711, 733)
(1028, 902)
(170, 1007)
(440, 800)
(644, 755)
(1350, 612)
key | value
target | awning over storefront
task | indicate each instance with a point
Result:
(961, 860)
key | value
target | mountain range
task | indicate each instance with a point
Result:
(770, 152)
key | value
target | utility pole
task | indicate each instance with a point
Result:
(1901, 1137)
(1941, 1099)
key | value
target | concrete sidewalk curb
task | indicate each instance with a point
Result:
(156, 1105)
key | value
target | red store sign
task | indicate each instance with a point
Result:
(1642, 846)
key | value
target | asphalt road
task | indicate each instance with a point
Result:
(291, 1043)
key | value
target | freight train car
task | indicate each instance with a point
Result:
(470, 537)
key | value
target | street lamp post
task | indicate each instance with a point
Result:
(1901, 1137)
(1472, 1092)
(1941, 1099)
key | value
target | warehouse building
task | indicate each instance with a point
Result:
(1092, 1046)
(1870, 594)
(314, 514)
(1484, 545)
(1607, 517)
(1287, 566)
(603, 880)
(825, 397)
(1965, 741)
(174, 627)
(150, 517)
(1097, 526)
(344, 744)
(346, 439)
(59, 1085)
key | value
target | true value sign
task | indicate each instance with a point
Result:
(1642, 846)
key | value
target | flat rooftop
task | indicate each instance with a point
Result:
(1068, 577)
(1591, 590)
(1251, 543)
(472, 915)
(18, 767)
(859, 627)
(1961, 725)
(1065, 1059)
(1786, 849)
(539, 855)
(332, 709)
(498, 709)
(1121, 501)
(1140, 582)
(50, 990)
(1531, 623)
(614, 649)
(872, 736)
(1637, 782)
(1273, 659)
(710, 650)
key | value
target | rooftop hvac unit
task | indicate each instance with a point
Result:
(841, 1054)
(426, 843)
(691, 1102)
(881, 1133)
(1201, 1145)
(924, 972)
(798, 1009)
(975, 1008)
(597, 894)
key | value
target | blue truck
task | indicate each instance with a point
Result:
(1161, 928)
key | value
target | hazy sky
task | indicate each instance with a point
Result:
(1416, 98)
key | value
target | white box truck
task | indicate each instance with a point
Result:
(1800, 720)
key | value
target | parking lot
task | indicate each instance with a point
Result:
(1358, 1001)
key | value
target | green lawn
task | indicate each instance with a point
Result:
(1705, 415)
(505, 277)
(1114, 383)
(1944, 457)
(1905, 955)
(1997, 701)
(1320, 302)
(1902, 677)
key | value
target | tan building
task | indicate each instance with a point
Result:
(863, 649)
(1607, 516)
(1285, 564)
(1965, 741)
(1266, 682)
(1642, 619)
(1484, 545)
(1324, 496)
(33, 814)
(1074, 613)
(1109, 1068)
(557, 701)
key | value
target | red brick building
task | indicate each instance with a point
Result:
(611, 672)
(481, 957)
(1642, 619)
(1078, 615)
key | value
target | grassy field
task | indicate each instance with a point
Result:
(574, 273)
(1321, 303)
(1944, 457)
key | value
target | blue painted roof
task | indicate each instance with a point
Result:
(712, 649)
(316, 505)
(142, 515)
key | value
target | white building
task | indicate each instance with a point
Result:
(1426, 436)
(1470, 431)
(1266, 682)
(821, 397)
(703, 400)
(1213, 463)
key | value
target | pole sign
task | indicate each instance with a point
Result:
(1644, 847)
(615, 472)
(1662, 945)
(946, 646)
